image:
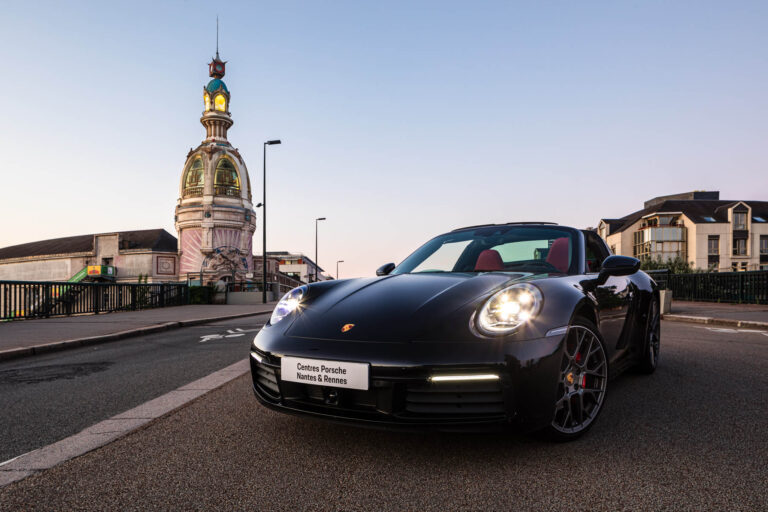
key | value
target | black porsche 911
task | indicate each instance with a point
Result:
(516, 325)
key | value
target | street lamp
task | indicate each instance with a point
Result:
(337, 268)
(264, 224)
(316, 264)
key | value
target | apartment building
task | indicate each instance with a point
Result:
(723, 235)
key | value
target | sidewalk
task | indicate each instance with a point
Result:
(736, 315)
(28, 337)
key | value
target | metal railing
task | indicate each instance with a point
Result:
(221, 190)
(747, 287)
(35, 299)
(279, 288)
(193, 191)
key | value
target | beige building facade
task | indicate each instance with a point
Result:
(150, 253)
(699, 227)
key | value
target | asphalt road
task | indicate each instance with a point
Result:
(46, 398)
(690, 437)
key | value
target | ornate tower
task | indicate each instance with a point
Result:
(214, 218)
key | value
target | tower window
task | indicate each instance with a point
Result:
(207, 102)
(194, 179)
(226, 181)
(220, 102)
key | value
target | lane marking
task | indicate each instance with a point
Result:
(236, 333)
(733, 331)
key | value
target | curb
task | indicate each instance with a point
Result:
(117, 426)
(45, 348)
(715, 321)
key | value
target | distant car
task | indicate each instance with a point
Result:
(516, 325)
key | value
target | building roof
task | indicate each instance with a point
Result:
(158, 240)
(694, 209)
(216, 84)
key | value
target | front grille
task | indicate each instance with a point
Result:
(455, 399)
(336, 398)
(266, 380)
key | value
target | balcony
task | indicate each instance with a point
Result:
(193, 192)
(220, 190)
(662, 234)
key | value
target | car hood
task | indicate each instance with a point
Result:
(398, 308)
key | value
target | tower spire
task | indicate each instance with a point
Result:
(217, 38)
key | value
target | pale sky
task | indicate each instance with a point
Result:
(399, 120)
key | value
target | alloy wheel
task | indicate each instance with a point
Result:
(583, 380)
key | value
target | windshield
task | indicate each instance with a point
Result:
(515, 248)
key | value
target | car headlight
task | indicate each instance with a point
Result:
(508, 309)
(288, 304)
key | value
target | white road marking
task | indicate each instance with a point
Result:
(236, 333)
(733, 331)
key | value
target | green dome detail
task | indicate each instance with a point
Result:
(216, 84)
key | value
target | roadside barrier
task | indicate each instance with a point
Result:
(740, 287)
(36, 299)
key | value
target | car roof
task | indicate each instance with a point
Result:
(507, 224)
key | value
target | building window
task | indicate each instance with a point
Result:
(193, 180)
(763, 244)
(758, 219)
(709, 219)
(207, 102)
(739, 246)
(226, 181)
(739, 221)
(220, 103)
(743, 266)
(713, 245)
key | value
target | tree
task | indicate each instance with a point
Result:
(676, 265)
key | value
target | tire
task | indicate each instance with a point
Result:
(649, 358)
(582, 383)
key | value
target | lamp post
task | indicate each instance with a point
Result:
(337, 268)
(317, 266)
(264, 224)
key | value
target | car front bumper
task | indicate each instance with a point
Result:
(400, 392)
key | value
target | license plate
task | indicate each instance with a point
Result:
(337, 374)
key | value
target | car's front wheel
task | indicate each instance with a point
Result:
(582, 382)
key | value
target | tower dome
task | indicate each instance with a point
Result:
(215, 218)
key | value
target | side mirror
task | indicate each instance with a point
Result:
(613, 266)
(387, 268)
(617, 266)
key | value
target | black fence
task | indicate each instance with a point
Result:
(745, 287)
(34, 299)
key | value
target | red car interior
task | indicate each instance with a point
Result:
(558, 254)
(488, 261)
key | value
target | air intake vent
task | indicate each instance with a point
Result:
(267, 380)
(455, 399)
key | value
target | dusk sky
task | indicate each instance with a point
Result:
(399, 121)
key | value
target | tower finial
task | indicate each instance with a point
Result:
(217, 37)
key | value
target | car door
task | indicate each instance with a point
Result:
(613, 297)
